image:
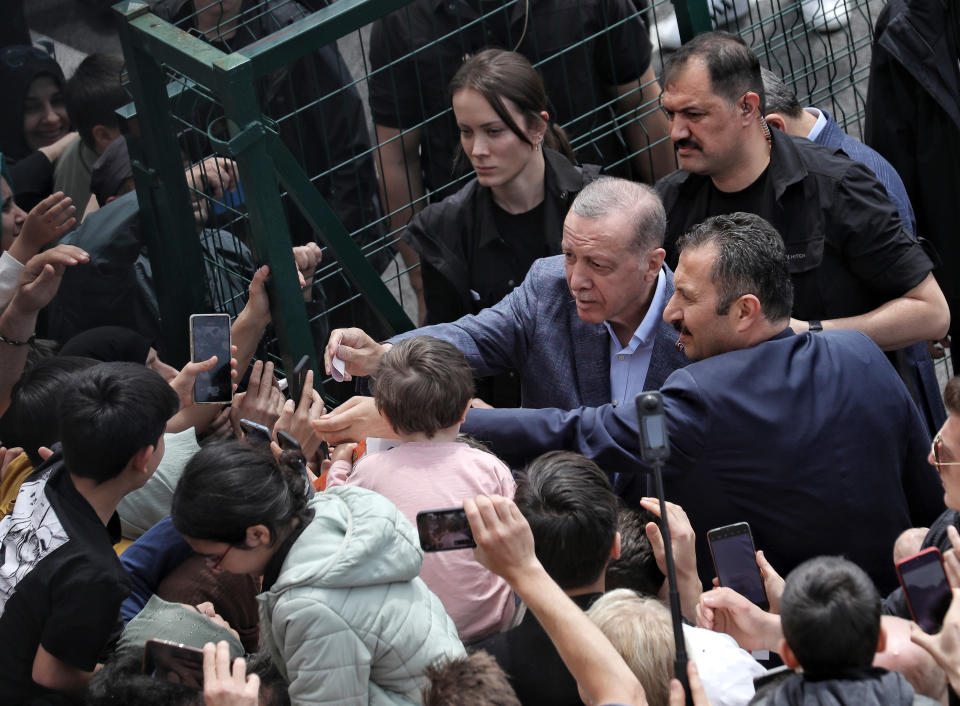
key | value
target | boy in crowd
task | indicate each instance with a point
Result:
(61, 583)
(424, 387)
(830, 615)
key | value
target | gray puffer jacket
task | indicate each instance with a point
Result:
(347, 620)
(869, 687)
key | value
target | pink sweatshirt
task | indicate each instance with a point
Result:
(426, 475)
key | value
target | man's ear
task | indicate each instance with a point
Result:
(881, 639)
(745, 310)
(103, 136)
(776, 120)
(786, 654)
(654, 263)
(749, 104)
(615, 547)
(141, 458)
(258, 536)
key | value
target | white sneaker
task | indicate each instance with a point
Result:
(666, 32)
(825, 15)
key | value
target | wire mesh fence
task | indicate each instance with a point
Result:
(353, 97)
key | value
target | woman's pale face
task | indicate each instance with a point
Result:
(497, 154)
(13, 217)
(45, 117)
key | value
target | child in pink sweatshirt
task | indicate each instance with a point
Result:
(423, 388)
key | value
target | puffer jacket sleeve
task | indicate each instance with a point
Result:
(326, 661)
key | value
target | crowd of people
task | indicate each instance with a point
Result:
(481, 523)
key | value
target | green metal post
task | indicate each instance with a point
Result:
(237, 89)
(169, 228)
(693, 18)
(322, 218)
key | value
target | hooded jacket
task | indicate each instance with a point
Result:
(869, 687)
(347, 619)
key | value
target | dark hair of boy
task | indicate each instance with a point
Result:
(108, 413)
(423, 385)
(31, 420)
(830, 613)
(572, 512)
(93, 93)
(121, 682)
(636, 567)
(474, 680)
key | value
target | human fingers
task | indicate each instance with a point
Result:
(206, 608)
(306, 394)
(209, 663)
(239, 673)
(951, 566)
(44, 452)
(773, 582)
(696, 685)
(656, 543)
(331, 350)
(223, 660)
(253, 386)
(677, 697)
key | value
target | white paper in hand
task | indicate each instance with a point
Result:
(339, 369)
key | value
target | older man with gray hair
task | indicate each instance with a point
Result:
(585, 328)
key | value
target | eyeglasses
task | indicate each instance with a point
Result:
(935, 450)
(216, 561)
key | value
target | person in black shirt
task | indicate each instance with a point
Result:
(61, 583)
(853, 264)
(477, 244)
(572, 512)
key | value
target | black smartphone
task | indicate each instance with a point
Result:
(300, 376)
(443, 530)
(926, 588)
(172, 662)
(735, 561)
(288, 443)
(210, 336)
(255, 433)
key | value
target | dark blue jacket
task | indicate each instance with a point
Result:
(812, 439)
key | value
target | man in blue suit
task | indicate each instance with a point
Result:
(811, 438)
(584, 328)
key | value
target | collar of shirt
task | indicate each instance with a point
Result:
(818, 126)
(629, 364)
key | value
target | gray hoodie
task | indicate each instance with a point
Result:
(347, 619)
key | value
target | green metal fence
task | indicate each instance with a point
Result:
(287, 94)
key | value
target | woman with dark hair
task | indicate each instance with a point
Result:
(342, 610)
(476, 245)
(34, 125)
(35, 115)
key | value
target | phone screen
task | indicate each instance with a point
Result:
(443, 530)
(927, 589)
(174, 663)
(734, 558)
(210, 336)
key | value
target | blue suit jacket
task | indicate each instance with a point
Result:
(562, 361)
(812, 439)
(833, 135)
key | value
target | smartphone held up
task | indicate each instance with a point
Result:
(210, 336)
(926, 588)
(735, 562)
(444, 530)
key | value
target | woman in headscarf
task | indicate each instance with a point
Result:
(34, 121)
